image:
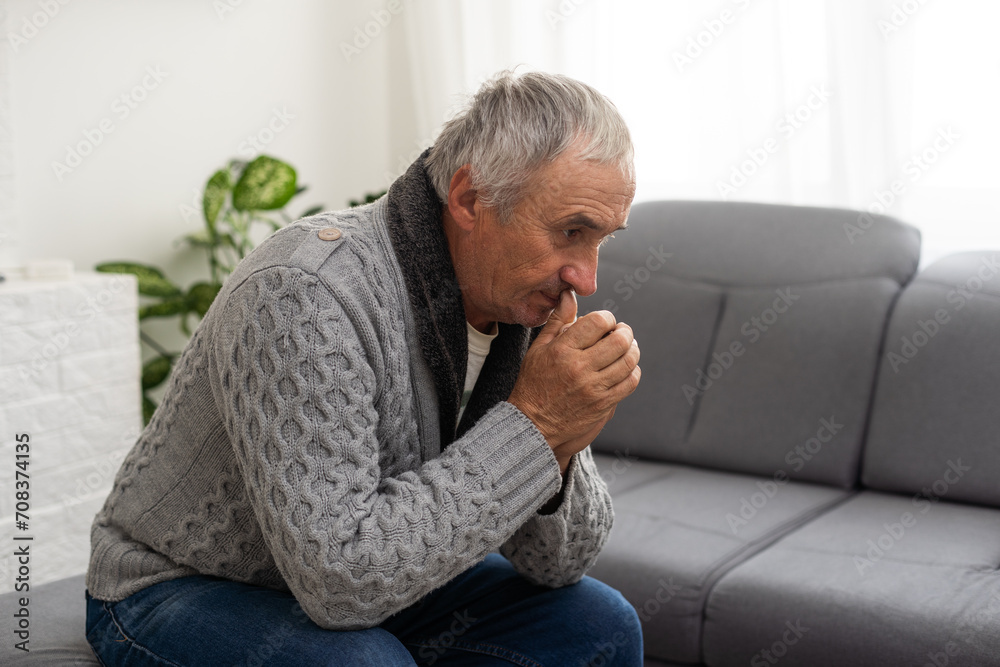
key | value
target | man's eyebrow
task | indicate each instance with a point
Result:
(584, 220)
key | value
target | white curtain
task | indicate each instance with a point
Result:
(884, 105)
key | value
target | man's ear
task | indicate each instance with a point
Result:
(462, 198)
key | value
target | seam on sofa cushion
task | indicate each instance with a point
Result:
(776, 533)
(751, 549)
(873, 387)
(723, 300)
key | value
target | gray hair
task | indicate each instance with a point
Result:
(514, 124)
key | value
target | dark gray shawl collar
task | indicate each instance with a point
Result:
(417, 235)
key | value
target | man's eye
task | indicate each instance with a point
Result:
(571, 233)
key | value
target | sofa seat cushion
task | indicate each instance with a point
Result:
(880, 580)
(677, 529)
(57, 630)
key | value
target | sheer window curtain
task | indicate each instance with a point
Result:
(881, 105)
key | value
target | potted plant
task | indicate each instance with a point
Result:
(236, 199)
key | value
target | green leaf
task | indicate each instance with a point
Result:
(312, 211)
(152, 282)
(215, 196)
(166, 308)
(201, 296)
(148, 408)
(369, 198)
(266, 184)
(200, 239)
(155, 371)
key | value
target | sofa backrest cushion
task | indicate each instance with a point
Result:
(935, 424)
(759, 327)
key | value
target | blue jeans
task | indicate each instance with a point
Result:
(489, 615)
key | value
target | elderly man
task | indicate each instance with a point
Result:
(362, 421)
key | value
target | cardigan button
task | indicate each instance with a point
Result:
(329, 234)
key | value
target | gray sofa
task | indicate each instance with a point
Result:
(808, 472)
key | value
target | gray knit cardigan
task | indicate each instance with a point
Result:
(304, 440)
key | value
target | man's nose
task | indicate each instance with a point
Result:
(581, 275)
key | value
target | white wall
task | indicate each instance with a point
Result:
(8, 252)
(224, 73)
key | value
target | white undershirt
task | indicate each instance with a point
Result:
(479, 348)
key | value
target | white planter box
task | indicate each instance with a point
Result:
(69, 378)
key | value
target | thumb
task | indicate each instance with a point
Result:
(563, 316)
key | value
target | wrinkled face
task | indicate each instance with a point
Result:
(515, 272)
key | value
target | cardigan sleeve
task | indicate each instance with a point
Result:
(315, 425)
(557, 549)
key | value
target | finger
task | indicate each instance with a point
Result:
(563, 316)
(589, 329)
(621, 368)
(624, 388)
(611, 348)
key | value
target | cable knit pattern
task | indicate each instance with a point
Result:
(552, 551)
(287, 450)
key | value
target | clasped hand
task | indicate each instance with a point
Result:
(574, 375)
